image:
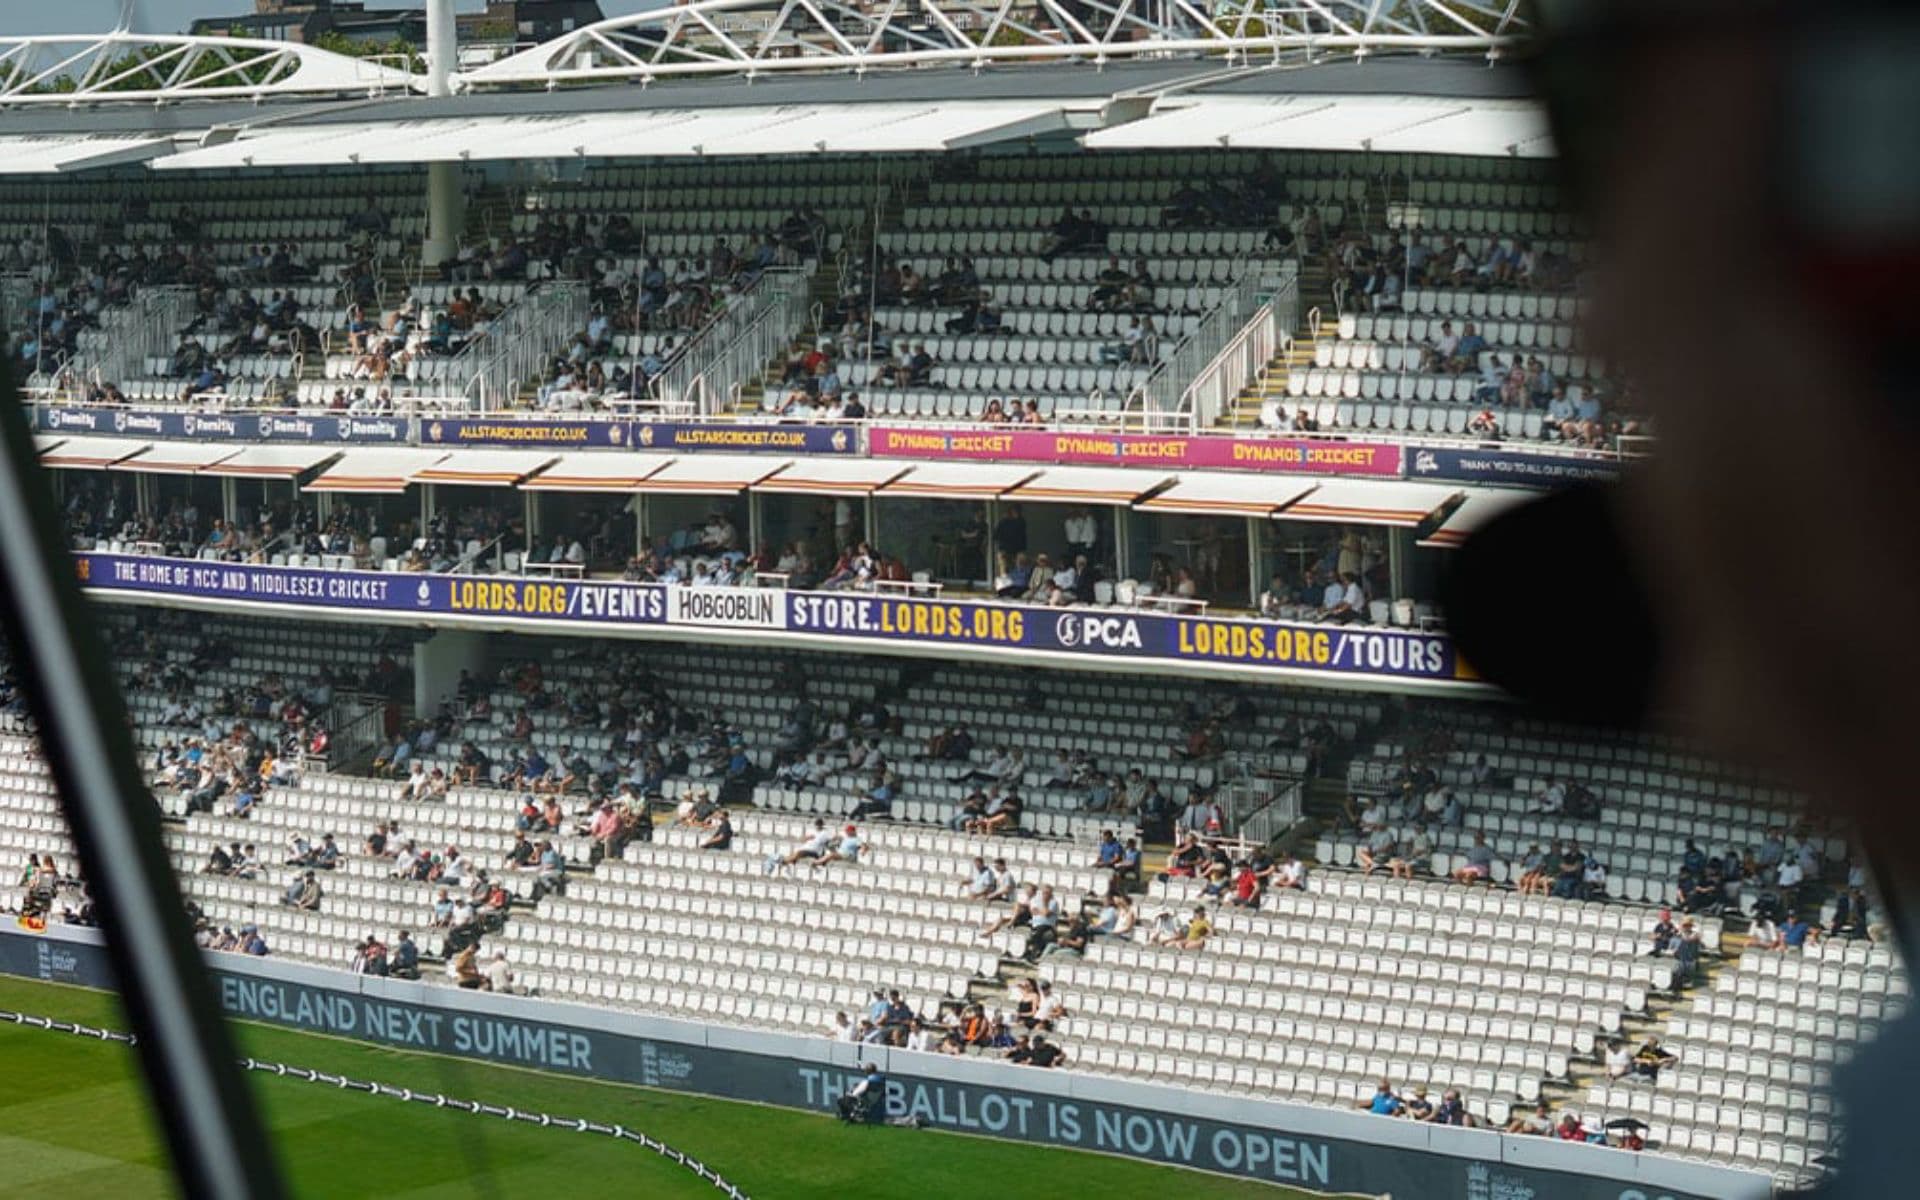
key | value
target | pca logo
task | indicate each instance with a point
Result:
(191, 423)
(1074, 631)
(839, 439)
(435, 432)
(616, 434)
(423, 595)
(119, 422)
(83, 568)
(646, 435)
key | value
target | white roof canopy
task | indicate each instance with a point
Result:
(368, 470)
(39, 155)
(1089, 485)
(85, 452)
(1370, 502)
(1475, 511)
(590, 471)
(711, 474)
(1248, 495)
(273, 462)
(833, 476)
(498, 468)
(1433, 125)
(960, 480)
(177, 458)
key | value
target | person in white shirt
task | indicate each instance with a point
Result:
(1791, 876)
(1550, 801)
(921, 1038)
(1619, 1059)
(1763, 934)
(843, 1029)
(1290, 874)
(1082, 532)
(499, 975)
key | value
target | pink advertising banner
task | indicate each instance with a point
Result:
(1302, 455)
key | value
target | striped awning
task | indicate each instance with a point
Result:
(833, 477)
(273, 462)
(91, 453)
(382, 471)
(1475, 511)
(711, 474)
(960, 480)
(1089, 485)
(1246, 495)
(1370, 502)
(485, 468)
(590, 471)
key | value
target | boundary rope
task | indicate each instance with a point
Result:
(436, 1099)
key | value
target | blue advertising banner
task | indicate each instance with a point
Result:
(1109, 634)
(379, 591)
(239, 427)
(826, 617)
(1513, 467)
(515, 431)
(299, 428)
(749, 439)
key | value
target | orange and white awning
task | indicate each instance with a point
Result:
(833, 477)
(379, 472)
(712, 474)
(960, 480)
(1090, 485)
(273, 462)
(1369, 502)
(91, 453)
(1228, 495)
(485, 468)
(1476, 510)
(177, 458)
(596, 471)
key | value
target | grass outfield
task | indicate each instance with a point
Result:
(74, 1122)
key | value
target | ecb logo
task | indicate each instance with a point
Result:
(1074, 630)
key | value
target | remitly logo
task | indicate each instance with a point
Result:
(1075, 629)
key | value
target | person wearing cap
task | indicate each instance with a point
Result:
(327, 855)
(303, 892)
(251, 942)
(1665, 933)
(848, 848)
(865, 1100)
(1418, 1108)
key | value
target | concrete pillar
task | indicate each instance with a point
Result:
(444, 203)
(437, 663)
(446, 213)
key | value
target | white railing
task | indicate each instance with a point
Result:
(1160, 398)
(519, 344)
(704, 374)
(1242, 360)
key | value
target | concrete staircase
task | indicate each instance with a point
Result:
(1244, 412)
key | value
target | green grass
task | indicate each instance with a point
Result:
(76, 1123)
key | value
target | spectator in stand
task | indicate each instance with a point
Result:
(1686, 956)
(1384, 1102)
(1538, 1123)
(1479, 865)
(1665, 933)
(848, 848)
(1194, 936)
(1795, 932)
(1534, 877)
(303, 892)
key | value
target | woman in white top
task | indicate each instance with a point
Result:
(1763, 935)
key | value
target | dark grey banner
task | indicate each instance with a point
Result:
(1324, 1150)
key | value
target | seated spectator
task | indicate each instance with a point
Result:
(1479, 865)
(1384, 1102)
(1538, 1123)
(1193, 937)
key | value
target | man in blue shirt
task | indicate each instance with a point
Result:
(1384, 1102)
(1794, 932)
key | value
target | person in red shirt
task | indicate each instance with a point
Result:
(1246, 888)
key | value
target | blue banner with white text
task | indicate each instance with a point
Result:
(1515, 468)
(230, 426)
(822, 617)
